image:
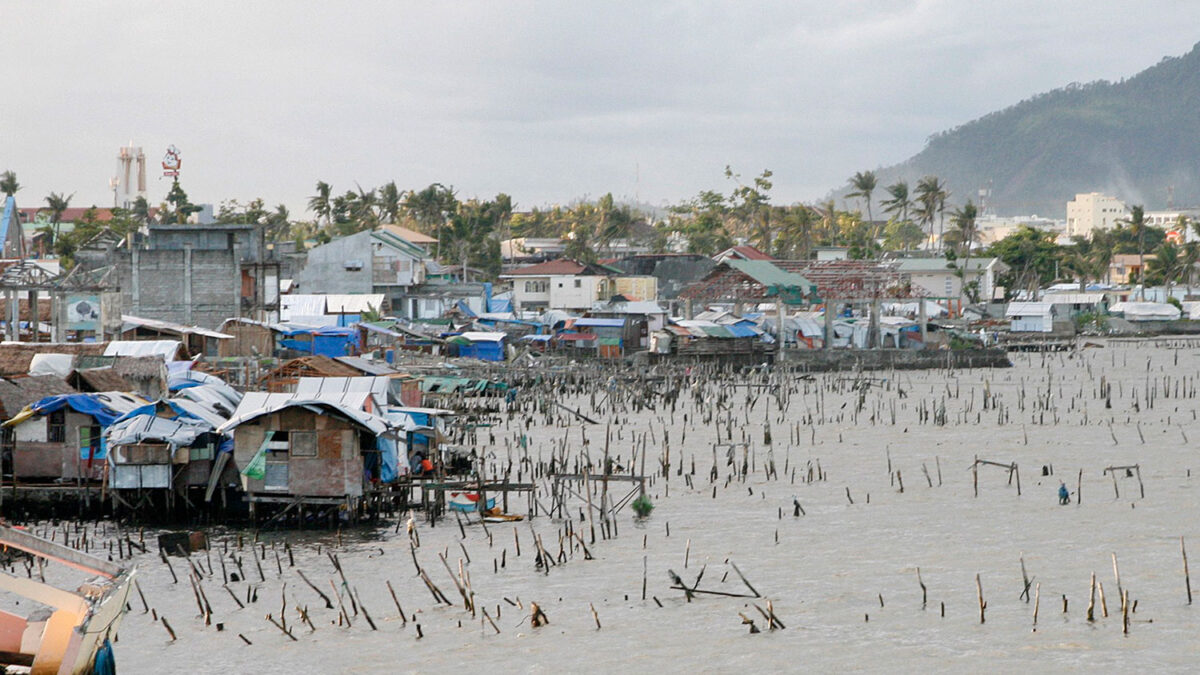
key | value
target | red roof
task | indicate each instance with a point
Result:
(562, 266)
(73, 213)
(744, 252)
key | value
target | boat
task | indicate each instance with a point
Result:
(71, 634)
(468, 502)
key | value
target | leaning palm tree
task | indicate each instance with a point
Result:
(899, 204)
(931, 196)
(8, 183)
(320, 203)
(864, 183)
(58, 205)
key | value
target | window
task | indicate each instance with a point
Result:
(56, 426)
(303, 444)
(540, 286)
(579, 283)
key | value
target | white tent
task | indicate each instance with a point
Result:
(1146, 311)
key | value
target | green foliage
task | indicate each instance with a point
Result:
(177, 207)
(1091, 322)
(1030, 255)
(642, 506)
(902, 235)
(8, 183)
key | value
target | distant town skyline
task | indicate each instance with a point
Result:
(546, 102)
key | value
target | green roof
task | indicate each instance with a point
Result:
(775, 279)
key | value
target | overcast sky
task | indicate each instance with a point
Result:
(547, 101)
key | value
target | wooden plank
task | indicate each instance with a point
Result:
(57, 552)
(43, 593)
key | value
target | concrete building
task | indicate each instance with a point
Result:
(938, 278)
(1093, 211)
(371, 261)
(200, 275)
(573, 286)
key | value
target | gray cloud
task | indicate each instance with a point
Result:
(548, 101)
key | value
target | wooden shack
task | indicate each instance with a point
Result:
(285, 377)
(306, 449)
(61, 437)
(250, 339)
(167, 455)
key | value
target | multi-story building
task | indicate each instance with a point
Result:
(1093, 211)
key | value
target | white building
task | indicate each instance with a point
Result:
(939, 278)
(1093, 211)
(559, 284)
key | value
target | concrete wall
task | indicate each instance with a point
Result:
(326, 271)
(192, 287)
(244, 238)
(565, 294)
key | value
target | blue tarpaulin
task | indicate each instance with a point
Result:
(484, 351)
(94, 405)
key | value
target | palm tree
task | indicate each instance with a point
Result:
(932, 196)
(57, 204)
(277, 223)
(1167, 263)
(320, 203)
(389, 202)
(964, 220)
(430, 207)
(8, 183)
(1137, 225)
(864, 184)
(900, 202)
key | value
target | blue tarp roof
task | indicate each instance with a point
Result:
(601, 323)
(96, 405)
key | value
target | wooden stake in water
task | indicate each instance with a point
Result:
(1187, 578)
(979, 592)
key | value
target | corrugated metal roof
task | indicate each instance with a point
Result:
(768, 274)
(601, 323)
(131, 321)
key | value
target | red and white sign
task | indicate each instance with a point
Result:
(171, 162)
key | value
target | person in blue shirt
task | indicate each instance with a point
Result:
(1064, 495)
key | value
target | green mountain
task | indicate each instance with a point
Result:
(1131, 139)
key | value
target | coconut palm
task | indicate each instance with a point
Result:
(900, 202)
(965, 234)
(864, 183)
(1137, 226)
(430, 207)
(8, 183)
(57, 204)
(388, 202)
(320, 203)
(931, 196)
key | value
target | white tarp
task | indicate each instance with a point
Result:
(479, 336)
(353, 304)
(164, 348)
(59, 365)
(1146, 311)
(932, 309)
